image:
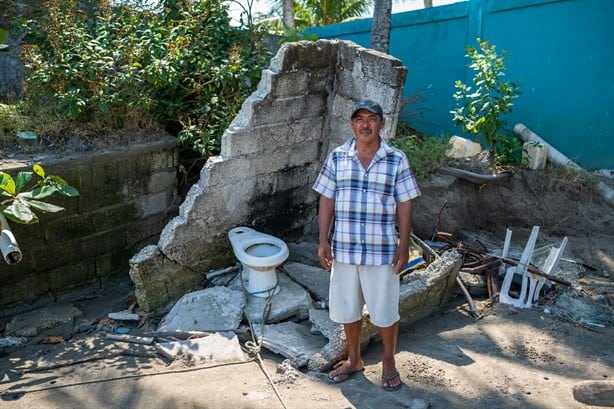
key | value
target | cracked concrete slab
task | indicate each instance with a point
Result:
(211, 309)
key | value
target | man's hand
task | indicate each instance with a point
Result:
(400, 259)
(325, 255)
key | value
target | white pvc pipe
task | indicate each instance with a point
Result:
(8, 245)
(557, 157)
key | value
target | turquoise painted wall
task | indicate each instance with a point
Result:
(561, 53)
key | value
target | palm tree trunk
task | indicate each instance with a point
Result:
(288, 13)
(380, 29)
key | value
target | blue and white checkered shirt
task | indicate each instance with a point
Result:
(365, 201)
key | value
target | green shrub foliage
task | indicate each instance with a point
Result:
(180, 64)
(480, 108)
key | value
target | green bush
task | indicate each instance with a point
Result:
(183, 67)
(480, 107)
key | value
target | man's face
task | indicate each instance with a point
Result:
(366, 126)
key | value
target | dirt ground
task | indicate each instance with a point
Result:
(510, 358)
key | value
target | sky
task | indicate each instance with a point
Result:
(398, 6)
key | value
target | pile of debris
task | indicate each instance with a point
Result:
(524, 277)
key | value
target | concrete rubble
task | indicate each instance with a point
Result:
(316, 343)
(212, 309)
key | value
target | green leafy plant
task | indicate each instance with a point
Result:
(18, 204)
(480, 107)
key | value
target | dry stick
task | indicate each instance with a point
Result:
(535, 270)
(476, 313)
(492, 282)
(443, 207)
(487, 264)
(425, 246)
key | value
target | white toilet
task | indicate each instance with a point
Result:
(260, 254)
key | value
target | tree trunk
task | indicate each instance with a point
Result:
(380, 29)
(288, 13)
(428, 3)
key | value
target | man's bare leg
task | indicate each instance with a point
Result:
(354, 362)
(389, 345)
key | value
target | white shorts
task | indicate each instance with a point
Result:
(351, 287)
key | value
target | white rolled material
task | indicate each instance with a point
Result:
(8, 245)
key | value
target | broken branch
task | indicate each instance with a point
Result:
(535, 270)
(474, 310)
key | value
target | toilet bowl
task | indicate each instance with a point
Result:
(260, 254)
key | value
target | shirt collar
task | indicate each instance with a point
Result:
(384, 148)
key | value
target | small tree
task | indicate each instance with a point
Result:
(480, 109)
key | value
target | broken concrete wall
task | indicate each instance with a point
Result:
(271, 154)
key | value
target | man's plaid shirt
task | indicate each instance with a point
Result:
(365, 201)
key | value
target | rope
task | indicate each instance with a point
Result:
(253, 346)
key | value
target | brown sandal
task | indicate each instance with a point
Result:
(386, 382)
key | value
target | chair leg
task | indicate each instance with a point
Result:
(527, 285)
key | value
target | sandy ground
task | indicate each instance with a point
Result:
(511, 358)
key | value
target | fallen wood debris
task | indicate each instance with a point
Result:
(477, 260)
(474, 310)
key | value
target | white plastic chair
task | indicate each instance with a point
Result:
(531, 284)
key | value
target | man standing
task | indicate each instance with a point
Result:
(366, 187)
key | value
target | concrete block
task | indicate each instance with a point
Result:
(209, 310)
(459, 147)
(315, 279)
(165, 180)
(292, 340)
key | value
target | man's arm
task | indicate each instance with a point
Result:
(326, 212)
(401, 255)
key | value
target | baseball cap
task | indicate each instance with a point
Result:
(369, 105)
